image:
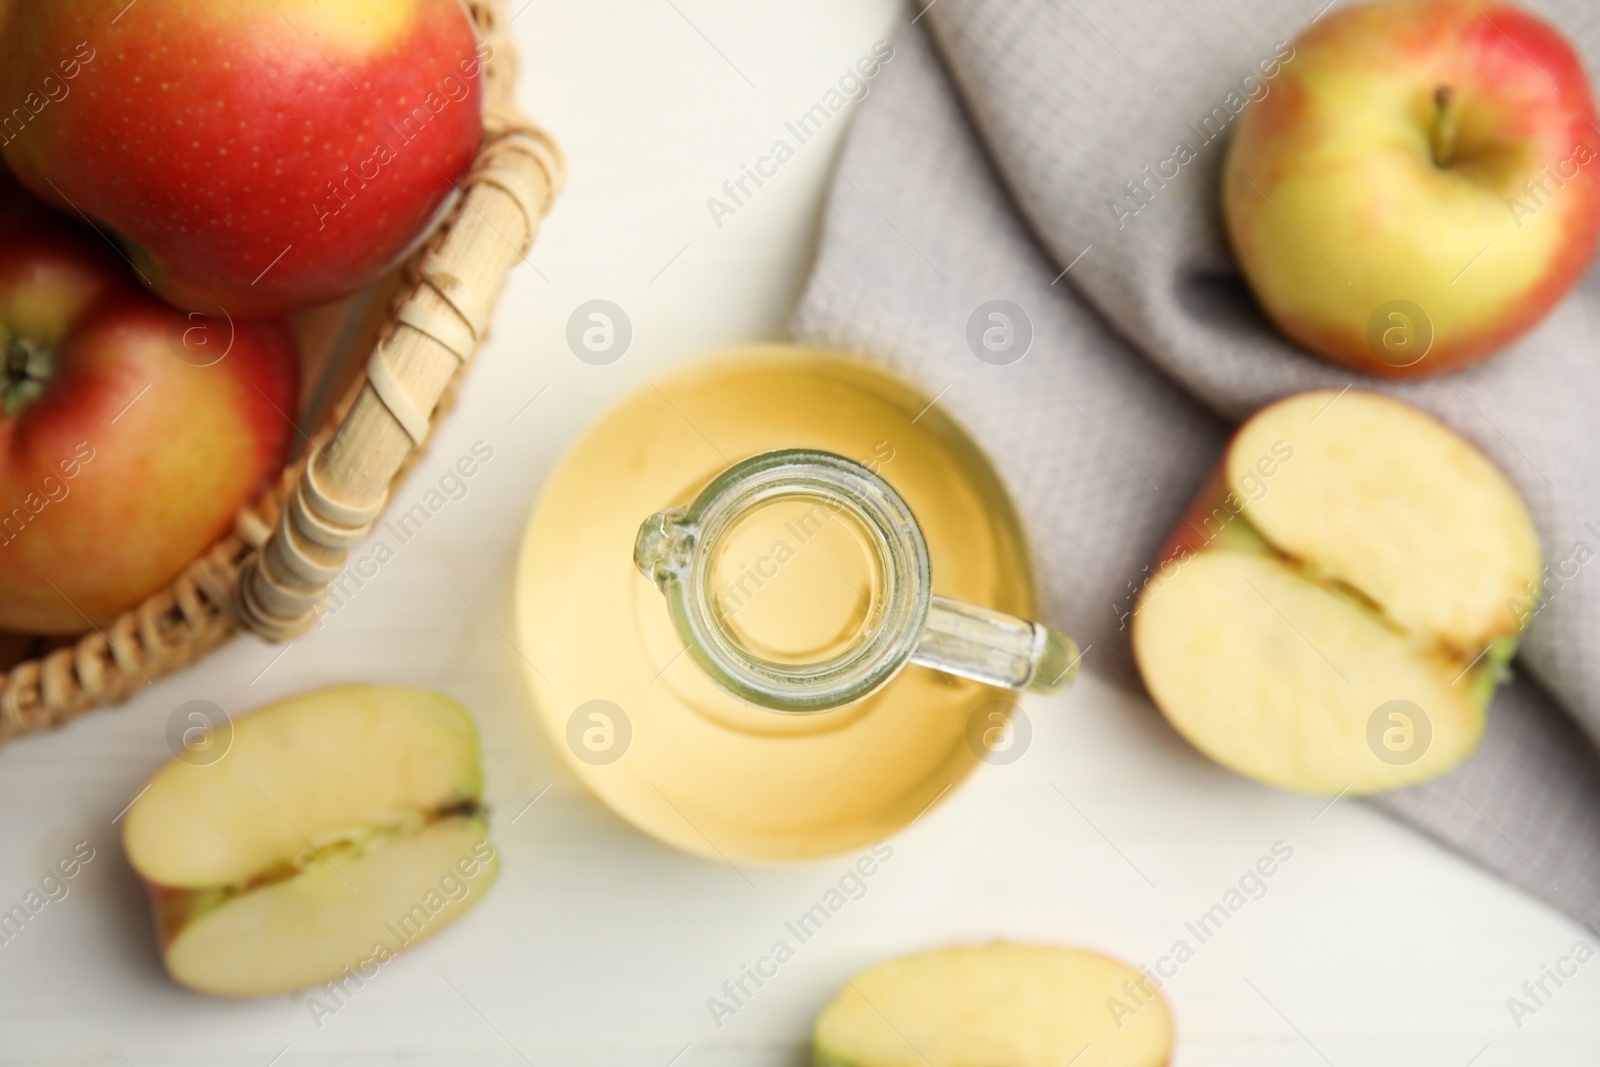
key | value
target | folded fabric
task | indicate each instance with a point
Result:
(985, 165)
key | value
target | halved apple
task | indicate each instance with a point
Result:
(1336, 609)
(339, 827)
(1001, 1004)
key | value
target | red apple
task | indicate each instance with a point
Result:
(253, 155)
(1420, 185)
(130, 433)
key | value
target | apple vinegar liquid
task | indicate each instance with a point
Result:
(794, 581)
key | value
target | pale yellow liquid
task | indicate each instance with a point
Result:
(704, 771)
(795, 582)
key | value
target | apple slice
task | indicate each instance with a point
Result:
(1000, 1004)
(1335, 611)
(335, 828)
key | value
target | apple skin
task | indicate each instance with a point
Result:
(1213, 520)
(216, 136)
(1335, 206)
(129, 462)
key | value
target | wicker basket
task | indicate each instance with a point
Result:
(417, 329)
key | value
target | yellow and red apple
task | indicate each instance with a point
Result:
(130, 432)
(1335, 611)
(1421, 186)
(253, 156)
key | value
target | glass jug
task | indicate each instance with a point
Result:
(843, 632)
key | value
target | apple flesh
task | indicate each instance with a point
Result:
(130, 433)
(1352, 558)
(1419, 187)
(335, 828)
(256, 156)
(1017, 1005)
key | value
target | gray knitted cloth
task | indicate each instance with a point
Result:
(983, 167)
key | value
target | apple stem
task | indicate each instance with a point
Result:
(1444, 126)
(25, 372)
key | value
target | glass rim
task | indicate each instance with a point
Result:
(896, 618)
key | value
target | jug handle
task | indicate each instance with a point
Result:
(995, 648)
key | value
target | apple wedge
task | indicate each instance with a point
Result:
(1000, 1004)
(338, 827)
(1336, 609)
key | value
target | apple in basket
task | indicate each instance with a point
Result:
(253, 156)
(1421, 185)
(130, 432)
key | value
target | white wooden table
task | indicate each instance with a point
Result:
(598, 946)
